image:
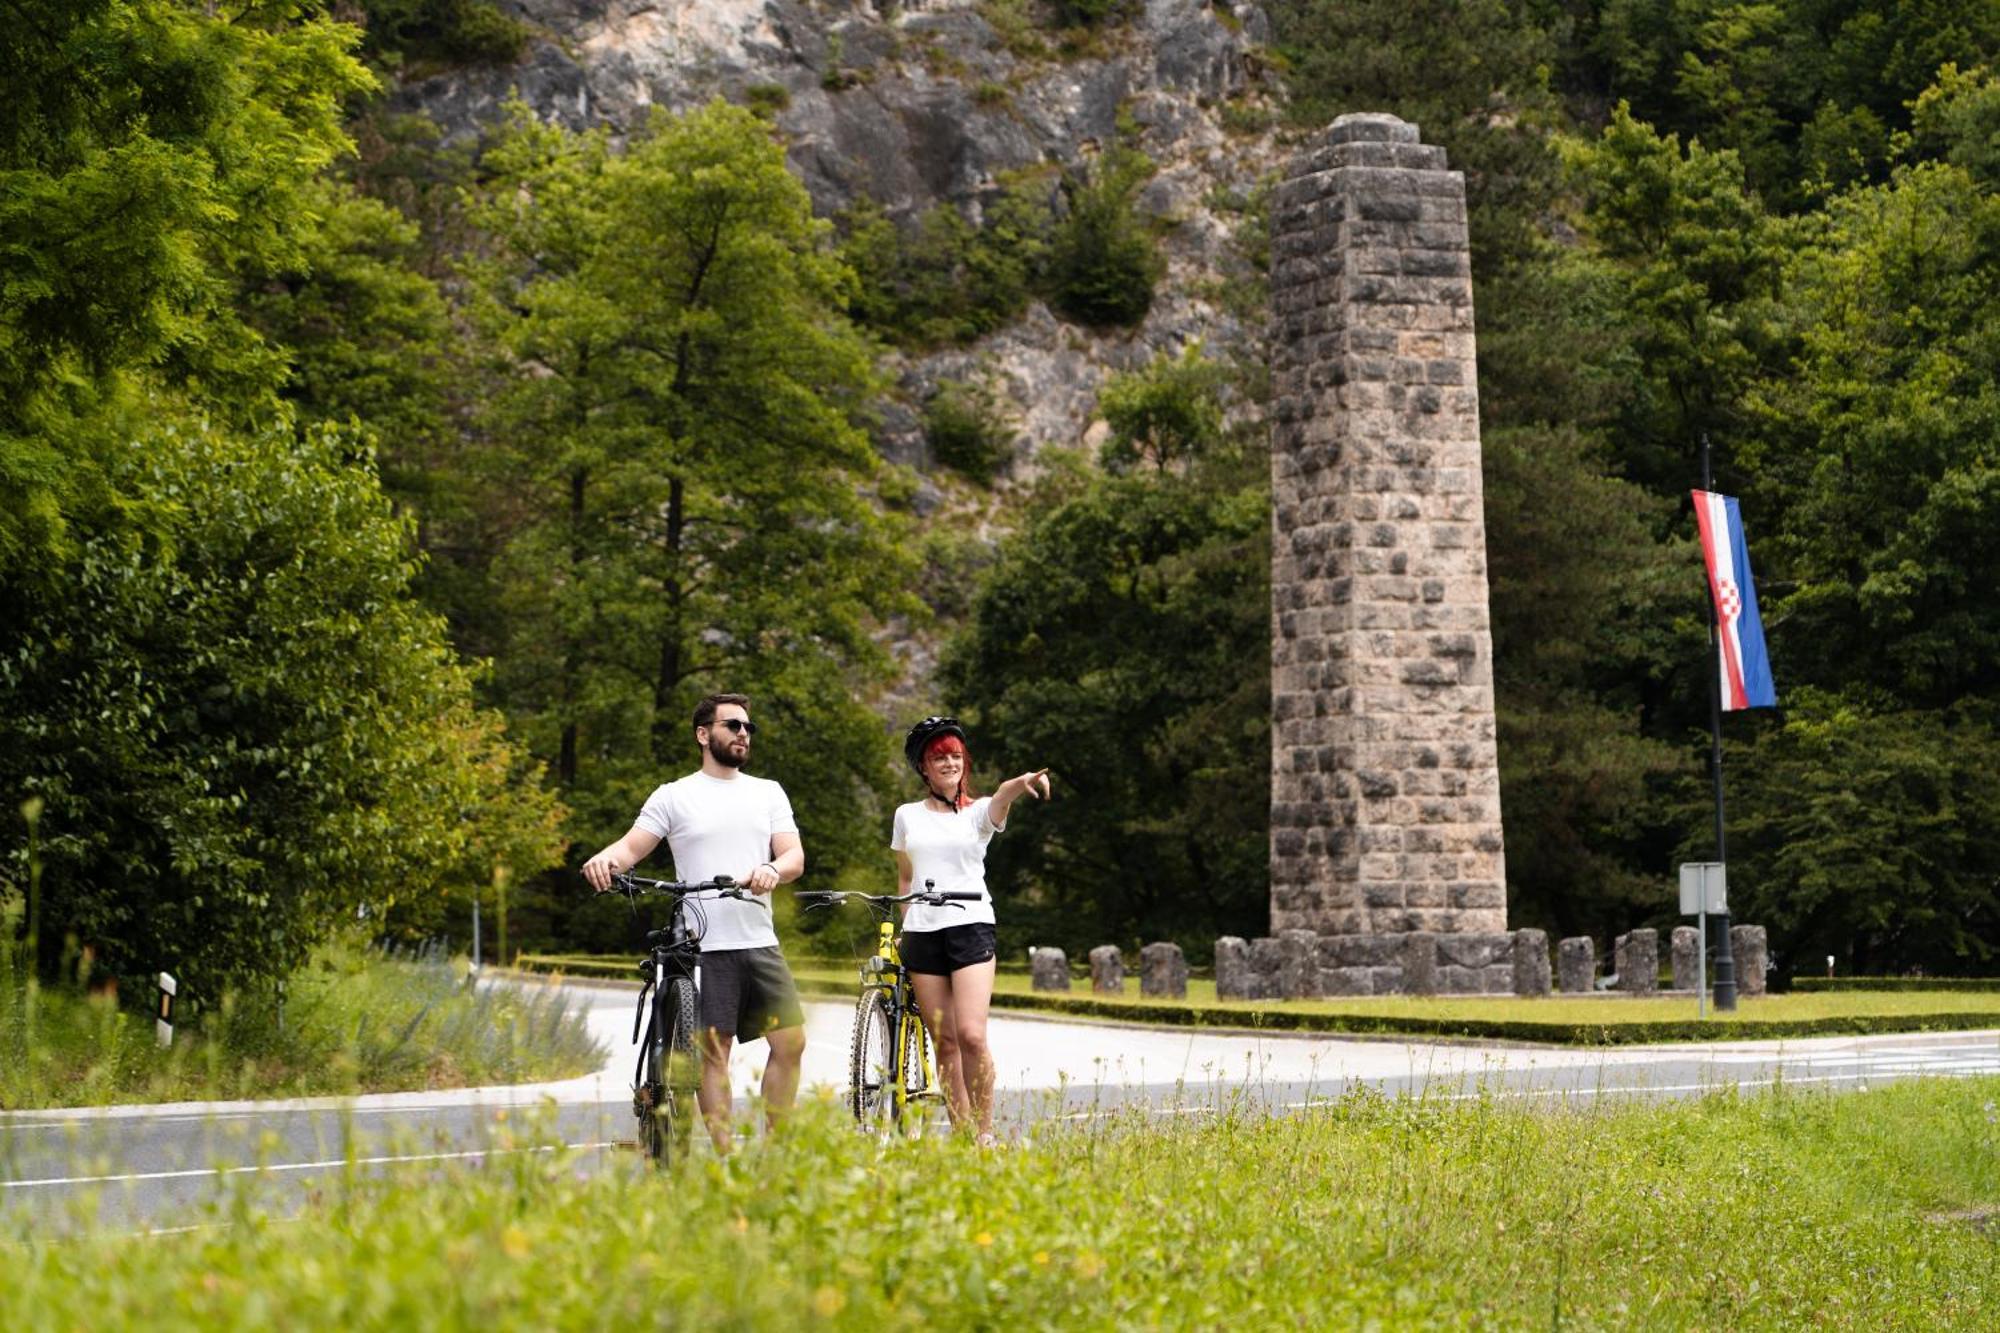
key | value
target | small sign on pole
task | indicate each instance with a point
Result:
(1704, 889)
(163, 1026)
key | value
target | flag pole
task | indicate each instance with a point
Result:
(1725, 958)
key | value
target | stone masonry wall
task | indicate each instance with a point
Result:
(1385, 795)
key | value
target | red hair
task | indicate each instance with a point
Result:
(950, 744)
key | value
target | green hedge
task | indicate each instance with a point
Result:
(1896, 983)
(1285, 1020)
(1561, 1034)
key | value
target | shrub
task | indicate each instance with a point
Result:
(1103, 264)
(767, 99)
(940, 279)
(470, 32)
(967, 430)
(1168, 412)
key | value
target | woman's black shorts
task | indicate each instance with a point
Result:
(939, 953)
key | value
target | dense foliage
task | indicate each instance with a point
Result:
(241, 728)
(276, 366)
(1110, 643)
(1768, 228)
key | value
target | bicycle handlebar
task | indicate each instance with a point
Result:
(722, 886)
(813, 899)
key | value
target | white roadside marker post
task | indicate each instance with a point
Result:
(163, 1026)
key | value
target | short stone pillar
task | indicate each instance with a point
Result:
(1048, 969)
(1298, 965)
(1752, 950)
(1234, 979)
(1576, 965)
(1687, 957)
(1163, 972)
(1107, 970)
(1531, 962)
(1637, 955)
(1420, 963)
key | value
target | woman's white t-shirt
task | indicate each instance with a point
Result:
(951, 850)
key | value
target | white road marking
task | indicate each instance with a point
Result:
(293, 1166)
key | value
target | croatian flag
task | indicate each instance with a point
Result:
(1746, 666)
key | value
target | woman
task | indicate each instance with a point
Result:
(950, 951)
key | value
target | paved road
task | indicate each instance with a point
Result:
(161, 1166)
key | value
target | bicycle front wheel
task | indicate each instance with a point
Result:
(922, 1096)
(666, 1106)
(872, 1067)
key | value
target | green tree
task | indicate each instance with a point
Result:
(1123, 638)
(678, 456)
(366, 336)
(1878, 449)
(1698, 262)
(1869, 834)
(151, 155)
(244, 732)
(1164, 415)
(1473, 75)
(244, 729)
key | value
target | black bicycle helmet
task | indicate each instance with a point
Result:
(924, 733)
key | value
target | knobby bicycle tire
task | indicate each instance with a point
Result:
(666, 1106)
(920, 1099)
(871, 1063)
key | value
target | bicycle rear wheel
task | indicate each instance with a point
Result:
(872, 1066)
(665, 1103)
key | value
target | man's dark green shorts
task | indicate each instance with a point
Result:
(748, 992)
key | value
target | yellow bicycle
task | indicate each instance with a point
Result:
(892, 1071)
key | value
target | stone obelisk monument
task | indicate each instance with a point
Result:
(1385, 790)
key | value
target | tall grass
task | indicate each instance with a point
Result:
(356, 1020)
(1778, 1210)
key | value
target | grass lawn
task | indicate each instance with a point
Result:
(1606, 1019)
(355, 1020)
(1780, 1210)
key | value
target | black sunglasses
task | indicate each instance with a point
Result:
(741, 726)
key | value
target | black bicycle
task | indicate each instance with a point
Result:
(669, 1069)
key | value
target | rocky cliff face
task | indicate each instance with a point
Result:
(914, 104)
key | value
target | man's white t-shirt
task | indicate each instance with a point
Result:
(950, 849)
(722, 826)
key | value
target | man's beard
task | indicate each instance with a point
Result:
(719, 742)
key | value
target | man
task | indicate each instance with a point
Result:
(721, 821)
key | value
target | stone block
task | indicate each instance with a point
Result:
(1163, 971)
(1048, 969)
(1686, 946)
(1752, 951)
(1475, 950)
(1234, 979)
(1638, 961)
(1107, 970)
(1298, 968)
(1420, 963)
(1576, 965)
(1530, 970)
(1346, 981)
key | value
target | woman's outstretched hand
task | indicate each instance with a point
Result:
(1036, 784)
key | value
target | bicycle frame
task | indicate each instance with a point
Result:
(665, 1077)
(896, 1083)
(911, 1050)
